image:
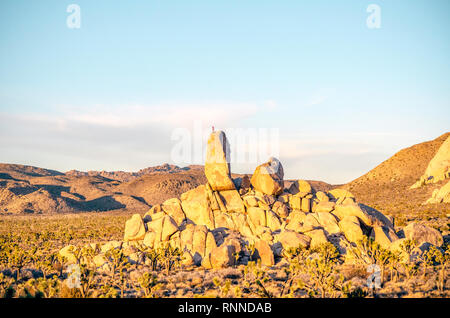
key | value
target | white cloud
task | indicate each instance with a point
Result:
(319, 97)
(168, 114)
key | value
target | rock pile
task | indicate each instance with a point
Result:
(216, 223)
(439, 167)
(441, 195)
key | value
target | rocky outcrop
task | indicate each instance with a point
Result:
(268, 177)
(216, 227)
(217, 164)
(438, 168)
(134, 229)
(421, 233)
(441, 195)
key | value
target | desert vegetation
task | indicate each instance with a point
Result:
(31, 266)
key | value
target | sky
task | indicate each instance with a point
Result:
(139, 81)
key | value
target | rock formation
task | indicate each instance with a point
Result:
(217, 164)
(268, 177)
(440, 195)
(439, 167)
(215, 224)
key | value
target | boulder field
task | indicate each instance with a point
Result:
(217, 224)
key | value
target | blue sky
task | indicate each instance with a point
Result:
(109, 95)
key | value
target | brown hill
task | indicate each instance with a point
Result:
(387, 186)
(27, 189)
(129, 176)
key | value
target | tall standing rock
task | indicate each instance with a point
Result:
(268, 177)
(217, 164)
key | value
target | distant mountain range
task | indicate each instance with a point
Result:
(129, 176)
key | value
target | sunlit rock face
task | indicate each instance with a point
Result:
(217, 164)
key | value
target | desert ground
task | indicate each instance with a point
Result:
(92, 234)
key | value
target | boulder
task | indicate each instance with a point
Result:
(148, 217)
(310, 222)
(199, 243)
(164, 228)
(280, 209)
(337, 194)
(256, 216)
(197, 240)
(173, 208)
(99, 260)
(150, 239)
(306, 205)
(217, 163)
(196, 207)
(242, 223)
(268, 177)
(245, 185)
(441, 195)
(295, 220)
(324, 206)
(220, 257)
(318, 237)
(290, 239)
(187, 259)
(250, 201)
(295, 203)
(232, 201)
(383, 235)
(351, 228)
(264, 253)
(272, 221)
(300, 188)
(134, 228)
(65, 252)
(285, 198)
(322, 196)
(421, 233)
(223, 220)
(110, 245)
(328, 221)
(369, 216)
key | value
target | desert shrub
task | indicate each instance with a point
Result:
(368, 252)
(118, 268)
(321, 267)
(255, 278)
(18, 258)
(6, 286)
(170, 257)
(443, 259)
(224, 287)
(40, 288)
(148, 285)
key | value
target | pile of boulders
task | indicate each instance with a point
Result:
(439, 167)
(217, 224)
(441, 195)
(437, 170)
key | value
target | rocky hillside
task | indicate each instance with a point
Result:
(27, 189)
(129, 176)
(387, 186)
